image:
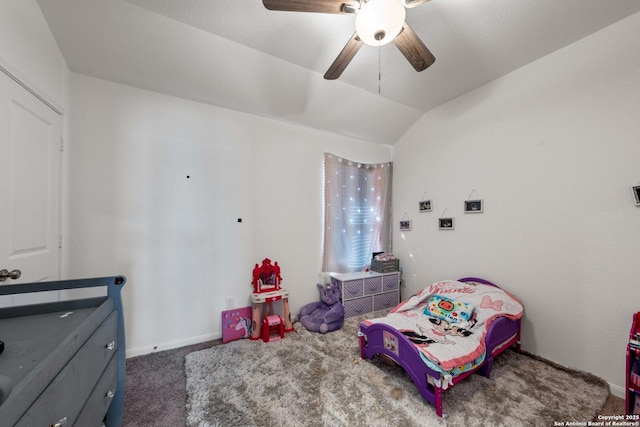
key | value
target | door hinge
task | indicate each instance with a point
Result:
(61, 144)
(60, 242)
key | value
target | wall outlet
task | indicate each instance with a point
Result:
(228, 303)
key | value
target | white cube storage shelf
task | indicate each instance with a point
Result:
(365, 292)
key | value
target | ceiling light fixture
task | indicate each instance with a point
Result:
(380, 21)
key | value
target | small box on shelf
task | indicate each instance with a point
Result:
(634, 382)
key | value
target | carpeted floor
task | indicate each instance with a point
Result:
(155, 393)
(315, 379)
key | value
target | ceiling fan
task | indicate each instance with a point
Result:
(378, 22)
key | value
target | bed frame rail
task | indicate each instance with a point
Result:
(381, 339)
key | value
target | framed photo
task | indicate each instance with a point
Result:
(424, 206)
(446, 223)
(636, 194)
(473, 206)
(405, 225)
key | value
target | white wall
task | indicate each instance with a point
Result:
(553, 149)
(133, 211)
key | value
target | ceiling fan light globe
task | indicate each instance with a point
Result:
(380, 16)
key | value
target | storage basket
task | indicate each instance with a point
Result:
(385, 266)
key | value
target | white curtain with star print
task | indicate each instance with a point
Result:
(357, 214)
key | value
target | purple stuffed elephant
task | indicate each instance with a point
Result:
(325, 315)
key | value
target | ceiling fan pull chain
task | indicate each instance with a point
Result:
(379, 71)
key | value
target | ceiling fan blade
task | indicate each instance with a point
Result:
(413, 49)
(412, 3)
(344, 57)
(318, 6)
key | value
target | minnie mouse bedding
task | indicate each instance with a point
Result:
(448, 322)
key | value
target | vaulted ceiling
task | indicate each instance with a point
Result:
(239, 55)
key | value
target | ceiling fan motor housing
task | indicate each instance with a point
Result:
(379, 21)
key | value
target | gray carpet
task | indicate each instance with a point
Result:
(313, 379)
(154, 390)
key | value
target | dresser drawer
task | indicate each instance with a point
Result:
(96, 406)
(352, 289)
(386, 300)
(64, 396)
(372, 285)
(391, 282)
(355, 307)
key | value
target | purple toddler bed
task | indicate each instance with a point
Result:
(445, 332)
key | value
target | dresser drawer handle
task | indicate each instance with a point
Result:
(111, 345)
(110, 394)
(62, 422)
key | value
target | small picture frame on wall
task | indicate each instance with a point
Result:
(405, 225)
(636, 194)
(446, 223)
(424, 206)
(473, 206)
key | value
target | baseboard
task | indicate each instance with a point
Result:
(139, 351)
(617, 391)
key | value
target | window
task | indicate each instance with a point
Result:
(357, 215)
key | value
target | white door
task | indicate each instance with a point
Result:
(30, 145)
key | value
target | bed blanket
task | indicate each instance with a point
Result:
(448, 320)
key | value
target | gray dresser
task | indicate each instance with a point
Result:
(367, 291)
(63, 363)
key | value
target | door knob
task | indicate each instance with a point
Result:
(6, 274)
